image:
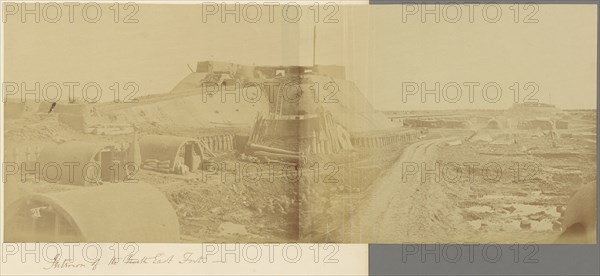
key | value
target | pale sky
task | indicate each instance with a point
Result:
(379, 50)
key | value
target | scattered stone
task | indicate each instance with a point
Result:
(556, 225)
(539, 216)
(510, 208)
(470, 216)
(521, 193)
(58, 140)
(216, 210)
(571, 178)
(230, 228)
(455, 143)
(525, 224)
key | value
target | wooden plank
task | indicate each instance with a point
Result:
(286, 157)
(258, 147)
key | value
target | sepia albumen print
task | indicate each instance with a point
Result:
(329, 123)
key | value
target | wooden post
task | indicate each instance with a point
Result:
(320, 141)
(15, 156)
(332, 133)
(56, 226)
(37, 152)
(27, 153)
(314, 142)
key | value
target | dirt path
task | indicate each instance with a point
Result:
(408, 209)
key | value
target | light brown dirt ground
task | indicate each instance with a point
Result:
(477, 209)
(368, 201)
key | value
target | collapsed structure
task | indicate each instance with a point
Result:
(537, 116)
(82, 215)
(533, 109)
(170, 154)
(543, 124)
(437, 123)
(17, 108)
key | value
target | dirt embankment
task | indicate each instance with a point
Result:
(402, 208)
(329, 200)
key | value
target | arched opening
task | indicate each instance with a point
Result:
(39, 219)
(83, 163)
(124, 212)
(170, 154)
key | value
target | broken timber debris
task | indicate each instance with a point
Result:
(285, 157)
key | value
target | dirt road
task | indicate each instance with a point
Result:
(404, 206)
